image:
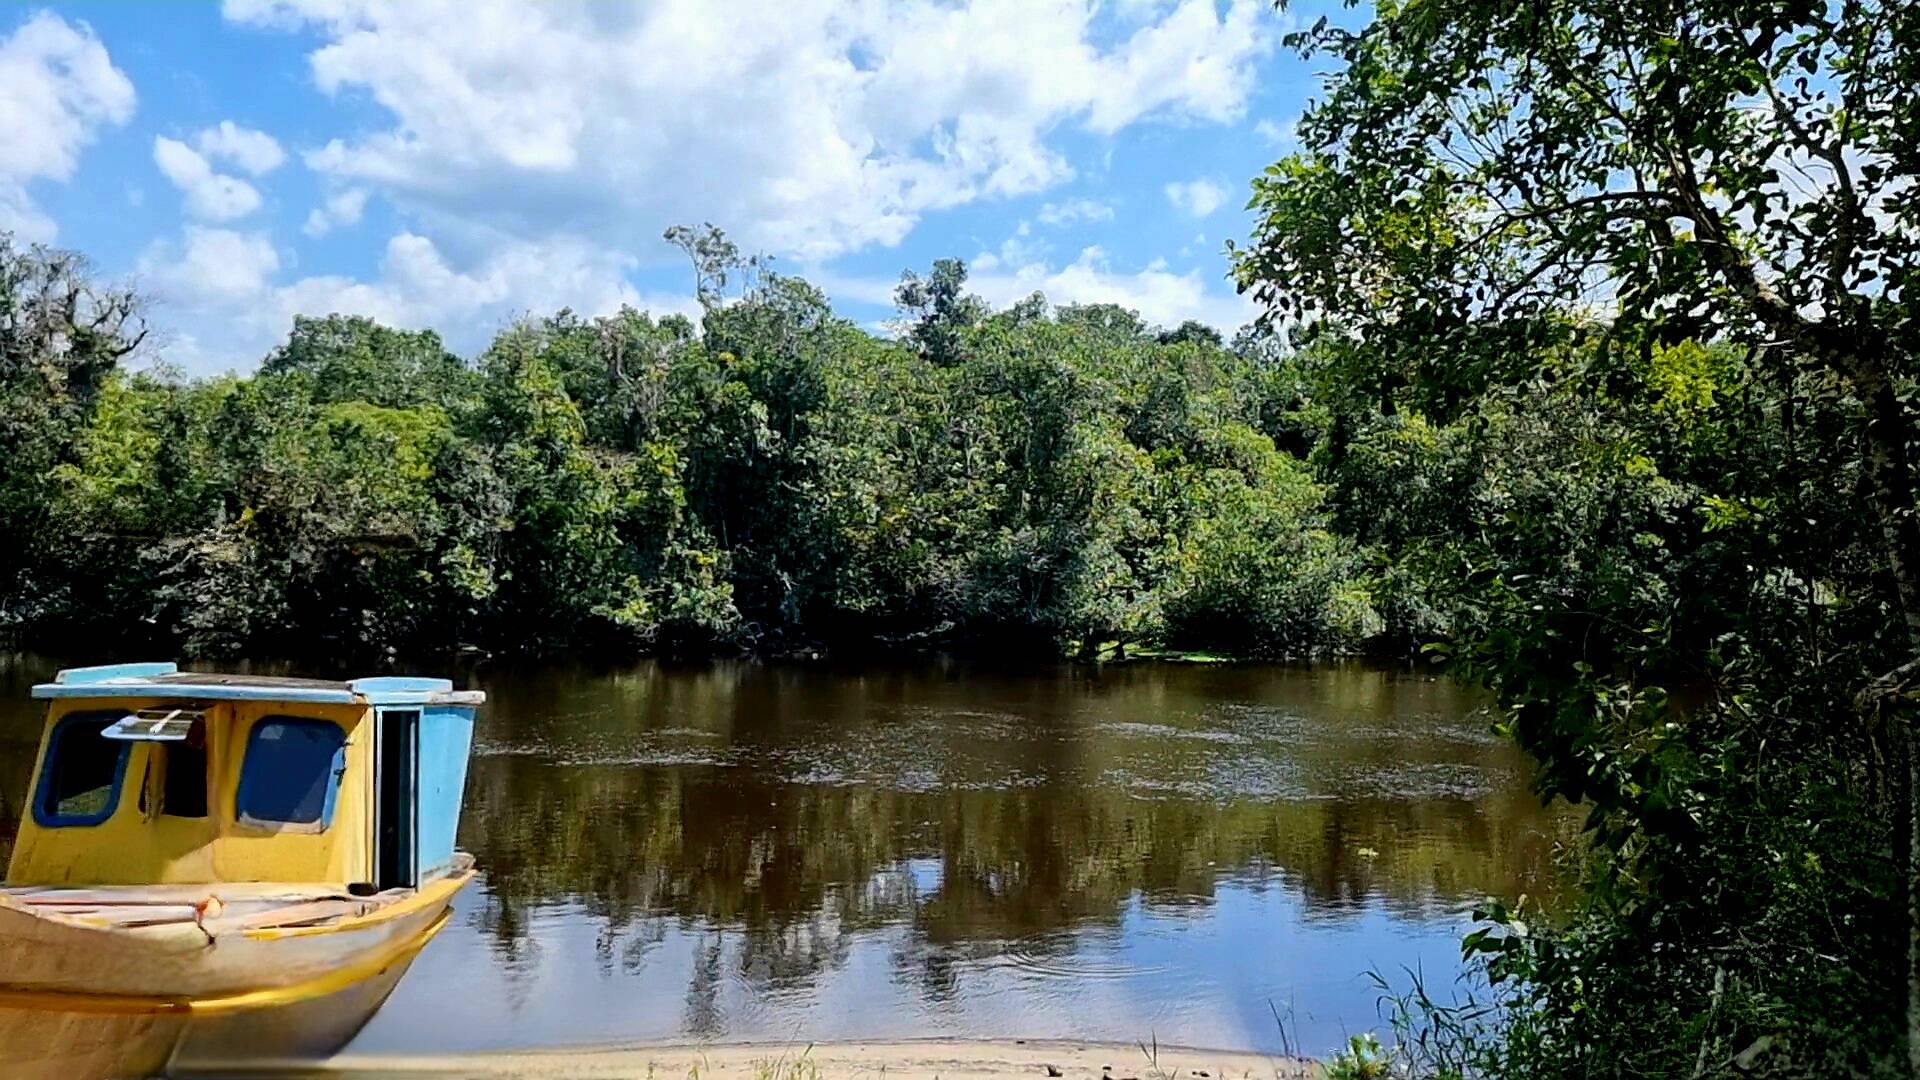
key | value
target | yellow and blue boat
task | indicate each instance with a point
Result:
(222, 868)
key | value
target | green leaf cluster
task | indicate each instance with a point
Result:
(772, 478)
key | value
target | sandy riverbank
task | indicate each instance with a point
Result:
(946, 1059)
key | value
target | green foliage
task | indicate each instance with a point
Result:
(1609, 307)
(61, 337)
(1256, 572)
(356, 359)
(1362, 1059)
(776, 478)
(941, 310)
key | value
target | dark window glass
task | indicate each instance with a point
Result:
(292, 771)
(184, 786)
(81, 781)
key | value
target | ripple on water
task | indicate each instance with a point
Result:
(948, 722)
(1064, 959)
(662, 757)
(1413, 780)
(837, 771)
(1136, 730)
(1220, 778)
(1260, 723)
(511, 750)
(1472, 731)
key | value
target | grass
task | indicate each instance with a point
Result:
(800, 1068)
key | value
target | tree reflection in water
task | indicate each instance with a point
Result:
(989, 812)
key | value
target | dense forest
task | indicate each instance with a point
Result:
(1591, 376)
(774, 478)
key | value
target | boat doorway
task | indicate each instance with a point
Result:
(396, 776)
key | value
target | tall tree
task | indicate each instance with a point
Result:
(1732, 170)
(1479, 176)
(939, 309)
(716, 261)
(61, 336)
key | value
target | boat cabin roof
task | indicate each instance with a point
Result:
(166, 680)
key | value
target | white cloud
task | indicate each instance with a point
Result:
(1157, 293)
(1015, 250)
(20, 216)
(536, 152)
(209, 265)
(1069, 211)
(810, 128)
(1197, 244)
(58, 88)
(1160, 296)
(1283, 136)
(209, 194)
(1197, 198)
(220, 307)
(253, 152)
(341, 208)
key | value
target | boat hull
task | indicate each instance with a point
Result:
(79, 1001)
(39, 1044)
(180, 961)
(284, 1037)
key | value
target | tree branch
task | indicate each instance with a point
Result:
(1845, 242)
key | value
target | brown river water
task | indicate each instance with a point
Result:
(1193, 854)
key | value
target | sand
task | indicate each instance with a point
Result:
(1009, 1059)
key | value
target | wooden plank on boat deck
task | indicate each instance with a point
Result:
(91, 900)
(157, 916)
(296, 915)
(171, 894)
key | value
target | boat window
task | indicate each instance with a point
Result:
(80, 782)
(291, 773)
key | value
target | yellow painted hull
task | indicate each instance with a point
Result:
(37, 1044)
(79, 1001)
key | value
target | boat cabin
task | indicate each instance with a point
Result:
(148, 775)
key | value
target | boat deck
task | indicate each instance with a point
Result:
(217, 907)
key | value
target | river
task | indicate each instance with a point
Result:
(1211, 855)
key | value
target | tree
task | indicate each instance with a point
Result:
(1192, 330)
(353, 358)
(1498, 194)
(61, 337)
(1735, 170)
(716, 260)
(940, 309)
(778, 478)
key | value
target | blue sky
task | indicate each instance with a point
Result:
(455, 165)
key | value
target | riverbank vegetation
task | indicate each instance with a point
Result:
(1031, 481)
(1626, 291)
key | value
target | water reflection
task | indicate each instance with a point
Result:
(747, 850)
(945, 849)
